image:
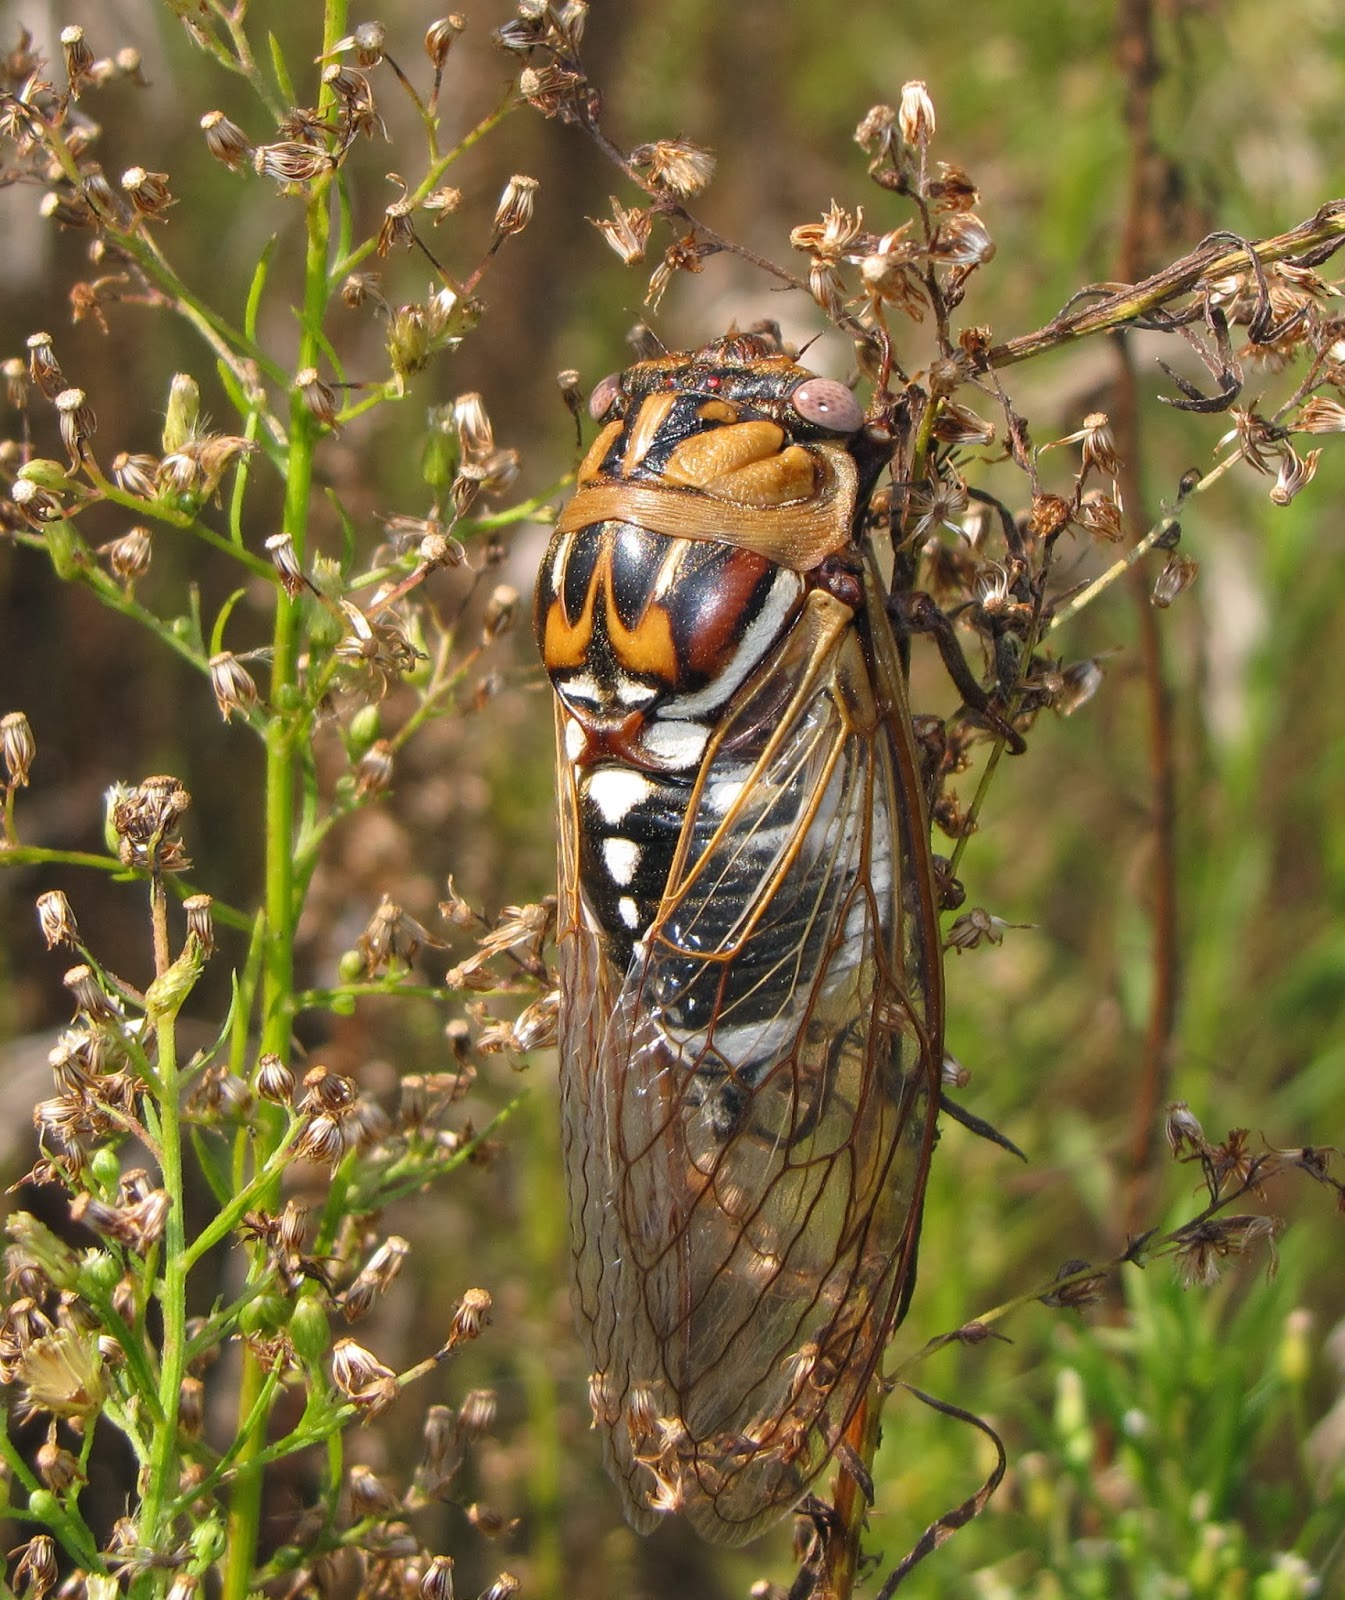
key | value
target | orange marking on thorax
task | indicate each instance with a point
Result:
(647, 648)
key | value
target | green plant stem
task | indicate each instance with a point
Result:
(155, 1527)
(286, 733)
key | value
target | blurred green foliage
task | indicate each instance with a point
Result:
(1159, 1442)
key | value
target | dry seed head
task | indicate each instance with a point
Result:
(36, 504)
(677, 165)
(368, 42)
(79, 59)
(66, 210)
(90, 999)
(322, 1140)
(369, 1495)
(359, 287)
(319, 397)
(226, 141)
(398, 231)
(827, 287)
(275, 1081)
(185, 1586)
(1100, 516)
(57, 920)
(915, 114)
(234, 687)
(373, 774)
(201, 921)
(129, 557)
(877, 131)
(56, 1466)
(325, 1090)
(285, 559)
(514, 211)
(1320, 415)
(191, 1407)
(77, 423)
(135, 474)
(476, 1414)
(62, 1374)
(1080, 681)
(18, 747)
(148, 190)
(830, 239)
(442, 202)
(500, 611)
(1295, 474)
(439, 37)
(43, 366)
(472, 1312)
(288, 161)
(628, 230)
(1179, 573)
(505, 1587)
(437, 1583)
(37, 1571)
(15, 373)
(962, 240)
(489, 1521)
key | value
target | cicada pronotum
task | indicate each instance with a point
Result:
(751, 993)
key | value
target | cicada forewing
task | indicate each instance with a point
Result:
(750, 1053)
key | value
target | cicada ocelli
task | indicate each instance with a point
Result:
(751, 1001)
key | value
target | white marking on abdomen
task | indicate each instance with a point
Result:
(628, 911)
(617, 790)
(675, 742)
(622, 857)
(575, 738)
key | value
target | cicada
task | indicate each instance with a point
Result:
(751, 994)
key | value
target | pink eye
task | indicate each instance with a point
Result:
(828, 404)
(604, 397)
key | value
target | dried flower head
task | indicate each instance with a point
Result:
(476, 1414)
(1179, 573)
(148, 191)
(234, 687)
(472, 1312)
(57, 920)
(437, 1583)
(361, 1377)
(915, 114)
(145, 820)
(18, 747)
(79, 59)
(62, 1374)
(36, 1571)
(439, 37)
(514, 211)
(226, 141)
(677, 165)
(43, 367)
(129, 557)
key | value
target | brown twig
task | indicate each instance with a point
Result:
(1317, 237)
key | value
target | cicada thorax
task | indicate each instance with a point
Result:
(750, 1010)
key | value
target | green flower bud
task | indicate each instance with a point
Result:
(184, 412)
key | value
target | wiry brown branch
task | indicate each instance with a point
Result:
(1310, 243)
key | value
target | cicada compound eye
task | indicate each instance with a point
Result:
(605, 397)
(827, 404)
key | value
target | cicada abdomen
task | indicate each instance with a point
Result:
(751, 1004)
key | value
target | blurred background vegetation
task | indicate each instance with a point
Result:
(1168, 1441)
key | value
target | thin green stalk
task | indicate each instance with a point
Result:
(156, 1529)
(289, 726)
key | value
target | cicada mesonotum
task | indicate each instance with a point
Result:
(751, 999)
